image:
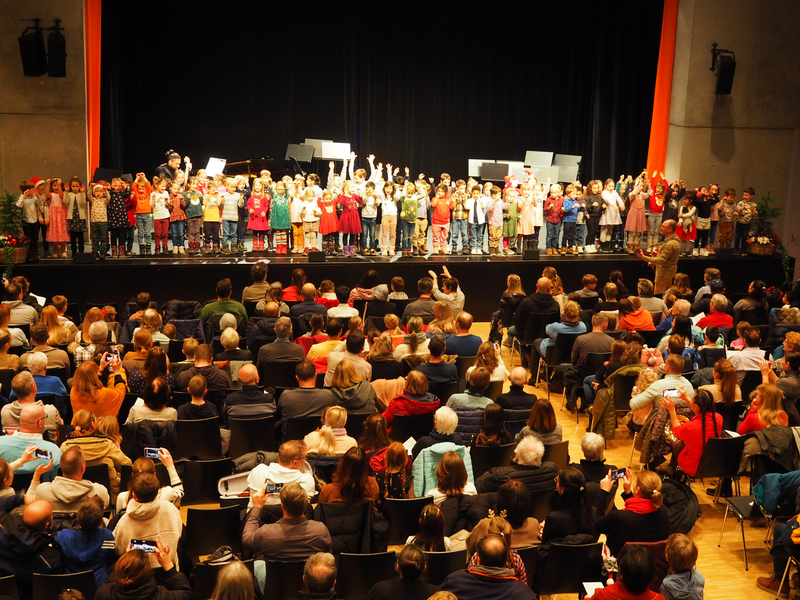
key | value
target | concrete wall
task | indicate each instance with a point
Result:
(42, 119)
(752, 137)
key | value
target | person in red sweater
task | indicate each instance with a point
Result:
(415, 399)
(765, 410)
(442, 205)
(704, 425)
(636, 571)
(717, 317)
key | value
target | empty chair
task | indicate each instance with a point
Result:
(198, 438)
(50, 586)
(528, 556)
(486, 457)
(493, 391)
(406, 426)
(355, 425)
(651, 338)
(357, 573)
(8, 586)
(200, 479)
(462, 364)
(298, 428)
(440, 564)
(557, 453)
(541, 505)
(568, 567)
(251, 435)
(277, 374)
(403, 517)
(284, 579)
(98, 474)
(209, 528)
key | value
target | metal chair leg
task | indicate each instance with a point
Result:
(785, 573)
(744, 547)
(633, 447)
(724, 519)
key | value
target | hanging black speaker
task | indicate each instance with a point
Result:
(726, 67)
(57, 54)
(31, 50)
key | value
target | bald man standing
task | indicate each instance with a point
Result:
(665, 262)
(26, 547)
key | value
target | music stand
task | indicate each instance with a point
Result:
(317, 145)
(535, 158)
(300, 152)
(474, 166)
(493, 171)
(215, 166)
(335, 150)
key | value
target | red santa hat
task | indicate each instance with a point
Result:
(36, 181)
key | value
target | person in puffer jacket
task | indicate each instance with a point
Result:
(89, 546)
(527, 466)
(415, 399)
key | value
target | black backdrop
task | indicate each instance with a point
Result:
(425, 85)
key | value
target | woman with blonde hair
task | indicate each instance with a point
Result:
(351, 391)
(151, 321)
(766, 410)
(58, 335)
(416, 342)
(489, 358)
(645, 518)
(442, 318)
(89, 393)
(97, 448)
(331, 439)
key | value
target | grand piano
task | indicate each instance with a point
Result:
(252, 167)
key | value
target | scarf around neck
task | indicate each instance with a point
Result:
(640, 506)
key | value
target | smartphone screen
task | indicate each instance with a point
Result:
(273, 488)
(45, 454)
(144, 545)
(617, 474)
(151, 452)
(673, 393)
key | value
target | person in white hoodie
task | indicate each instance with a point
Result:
(149, 518)
(67, 491)
(290, 468)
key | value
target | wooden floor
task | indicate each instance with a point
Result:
(722, 567)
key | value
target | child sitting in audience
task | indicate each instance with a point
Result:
(392, 324)
(89, 546)
(430, 533)
(198, 408)
(684, 581)
(170, 331)
(739, 342)
(398, 285)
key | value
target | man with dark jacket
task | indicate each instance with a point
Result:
(540, 302)
(250, 402)
(26, 547)
(527, 466)
(516, 398)
(217, 380)
(308, 306)
(490, 578)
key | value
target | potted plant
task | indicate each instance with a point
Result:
(13, 244)
(765, 241)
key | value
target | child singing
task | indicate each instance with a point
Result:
(177, 217)
(99, 215)
(258, 211)
(57, 231)
(193, 201)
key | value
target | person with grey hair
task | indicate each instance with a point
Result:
(445, 421)
(24, 388)
(282, 349)
(46, 384)
(516, 398)
(230, 342)
(98, 334)
(649, 302)
(593, 464)
(527, 466)
(717, 316)
(319, 575)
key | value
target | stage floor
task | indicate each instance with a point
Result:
(482, 278)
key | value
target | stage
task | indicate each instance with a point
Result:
(482, 278)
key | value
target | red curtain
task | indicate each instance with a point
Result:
(659, 128)
(92, 28)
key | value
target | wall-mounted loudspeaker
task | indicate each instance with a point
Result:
(726, 67)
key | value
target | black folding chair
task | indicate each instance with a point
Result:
(569, 566)
(557, 453)
(558, 353)
(357, 573)
(200, 479)
(284, 579)
(355, 424)
(721, 457)
(204, 578)
(98, 474)
(542, 504)
(403, 516)
(651, 338)
(406, 426)
(752, 379)
(494, 390)
(209, 528)
(440, 564)
(50, 586)
(298, 428)
(251, 435)
(462, 364)
(485, 457)
(198, 438)
(534, 330)
(529, 556)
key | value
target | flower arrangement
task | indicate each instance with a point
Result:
(765, 239)
(13, 244)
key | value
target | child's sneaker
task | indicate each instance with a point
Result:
(703, 252)
(695, 252)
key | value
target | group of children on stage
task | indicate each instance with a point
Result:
(212, 215)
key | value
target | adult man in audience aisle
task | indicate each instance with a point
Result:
(250, 402)
(293, 537)
(258, 290)
(596, 341)
(463, 343)
(217, 380)
(31, 428)
(539, 302)
(56, 358)
(423, 306)
(307, 400)
(665, 261)
(223, 304)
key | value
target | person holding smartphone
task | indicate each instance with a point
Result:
(133, 576)
(88, 392)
